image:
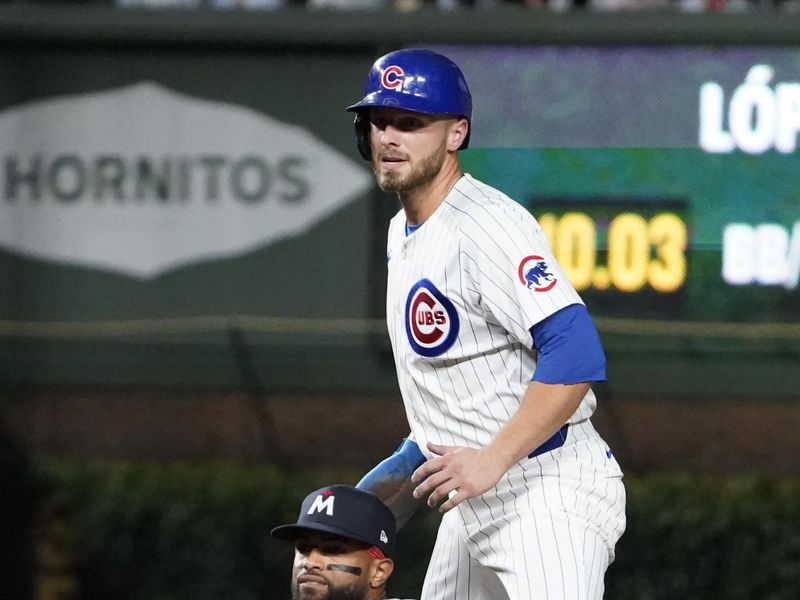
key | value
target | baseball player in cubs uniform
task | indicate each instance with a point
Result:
(495, 354)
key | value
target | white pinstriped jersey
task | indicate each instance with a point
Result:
(463, 291)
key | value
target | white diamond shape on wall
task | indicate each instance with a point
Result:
(141, 180)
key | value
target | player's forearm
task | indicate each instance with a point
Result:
(390, 480)
(544, 409)
(398, 495)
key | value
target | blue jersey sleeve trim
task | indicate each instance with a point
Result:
(569, 348)
(398, 467)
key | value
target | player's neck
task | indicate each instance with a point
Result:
(420, 203)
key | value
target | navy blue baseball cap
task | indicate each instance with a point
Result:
(346, 511)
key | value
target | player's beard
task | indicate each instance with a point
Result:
(351, 591)
(421, 174)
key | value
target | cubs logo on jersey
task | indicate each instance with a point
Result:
(534, 273)
(431, 320)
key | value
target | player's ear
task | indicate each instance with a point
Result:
(456, 134)
(380, 573)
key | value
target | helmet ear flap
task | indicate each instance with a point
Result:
(361, 125)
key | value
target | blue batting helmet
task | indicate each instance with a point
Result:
(417, 80)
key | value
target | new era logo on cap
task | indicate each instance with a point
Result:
(346, 511)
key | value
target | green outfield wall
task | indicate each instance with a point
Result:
(182, 205)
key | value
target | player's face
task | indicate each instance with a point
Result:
(408, 148)
(329, 567)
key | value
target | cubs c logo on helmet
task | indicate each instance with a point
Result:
(534, 273)
(431, 320)
(392, 78)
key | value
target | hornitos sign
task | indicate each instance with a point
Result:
(141, 180)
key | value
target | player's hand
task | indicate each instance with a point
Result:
(468, 471)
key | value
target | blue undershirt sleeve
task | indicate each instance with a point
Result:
(397, 467)
(569, 348)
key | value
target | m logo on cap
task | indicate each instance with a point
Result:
(323, 502)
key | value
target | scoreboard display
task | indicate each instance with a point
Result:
(628, 246)
(667, 179)
(626, 257)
